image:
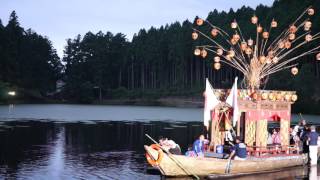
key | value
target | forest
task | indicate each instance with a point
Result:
(157, 62)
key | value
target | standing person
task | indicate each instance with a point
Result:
(170, 145)
(198, 145)
(313, 145)
(239, 151)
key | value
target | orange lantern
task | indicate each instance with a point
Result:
(318, 56)
(199, 21)
(310, 11)
(265, 35)
(308, 37)
(259, 29)
(234, 24)
(254, 19)
(293, 29)
(243, 46)
(214, 32)
(195, 35)
(292, 36)
(197, 52)
(294, 97)
(217, 66)
(274, 23)
(219, 52)
(294, 71)
(250, 42)
(216, 59)
(203, 53)
(287, 44)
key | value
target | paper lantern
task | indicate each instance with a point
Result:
(268, 60)
(248, 51)
(279, 97)
(287, 44)
(294, 71)
(199, 21)
(318, 56)
(287, 97)
(197, 52)
(310, 11)
(259, 29)
(236, 37)
(262, 59)
(214, 32)
(307, 25)
(231, 53)
(233, 41)
(217, 66)
(293, 29)
(275, 60)
(281, 45)
(234, 24)
(219, 52)
(294, 97)
(308, 37)
(265, 35)
(216, 59)
(264, 96)
(292, 36)
(203, 53)
(250, 42)
(274, 23)
(243, 46)
(254, 19)
(195, 35)
(228, 57)
(270, 54)
(271, 96)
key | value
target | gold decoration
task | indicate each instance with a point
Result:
(310, 11)
(203, 53)
(274, 23)
(254, 19)
(217, 65)
(195, 35)
(234, 24)
(216, 59)
(197, 52)
(199, 21)
(214, 32)
(219, 52)
(294, 71)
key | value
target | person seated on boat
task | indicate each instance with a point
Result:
(276, 137)
(313, 145)
(190, 152)
(199, 145)
(170, 145)
(239, 151)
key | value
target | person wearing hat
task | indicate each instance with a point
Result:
(239, 151)
(313, 145)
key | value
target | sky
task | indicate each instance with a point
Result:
(63, 19)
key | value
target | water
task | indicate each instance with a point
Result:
(96, 142)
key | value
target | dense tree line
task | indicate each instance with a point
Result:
(28, 62)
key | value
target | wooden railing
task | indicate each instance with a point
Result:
(272, 150)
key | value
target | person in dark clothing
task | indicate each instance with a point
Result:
(239, 151)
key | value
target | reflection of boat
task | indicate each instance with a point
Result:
(178, 165)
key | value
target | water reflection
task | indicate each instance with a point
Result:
(94, 150)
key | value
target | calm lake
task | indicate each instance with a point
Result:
(98, 141)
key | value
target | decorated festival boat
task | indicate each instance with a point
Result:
(248, 112)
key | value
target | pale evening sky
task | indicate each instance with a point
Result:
(63, 19)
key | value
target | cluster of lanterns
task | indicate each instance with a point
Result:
(269, 95)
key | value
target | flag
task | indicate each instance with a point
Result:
(232, 100)
(210, 103)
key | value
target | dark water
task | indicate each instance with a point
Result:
(39, 148)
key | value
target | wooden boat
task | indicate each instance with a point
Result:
(179, 165)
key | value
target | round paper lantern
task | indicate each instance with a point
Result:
(262, 59)
(274, 23)
(216, 59)
(248, 51)
(236, 37)
(287, 97)
(233, 41)
(308, 37)
(293, 29)
(217, 66)
(234, 24)
(197, 52)
(318, 56)
(281, 45)
(214, 32)
(231, 53)
(294, 71)
(292, 36)
(287, 44)
(265, 35)
(294, 97)
(279, 97)
(195, 35)
(259, 29)
(254, 19)
(271, 96)
(275, 60)
(270, 54)
(219, 52)
(310, 11)
(307, 25)
(268, 60)
(199, 21)
(250, 42)
(264, 96)
(203, 53)
(243, 46)
(228, 57)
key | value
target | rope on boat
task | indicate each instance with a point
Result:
(174, 159)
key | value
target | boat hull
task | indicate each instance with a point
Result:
(179, 165)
